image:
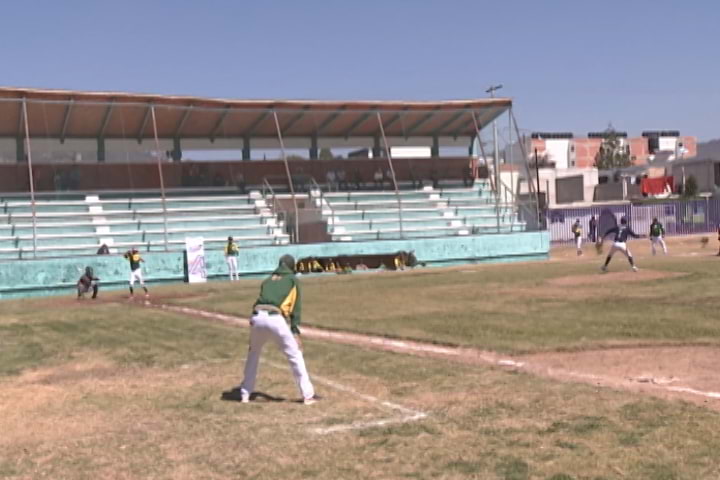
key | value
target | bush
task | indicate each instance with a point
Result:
(691, 187)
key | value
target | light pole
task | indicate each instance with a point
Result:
(496, 158)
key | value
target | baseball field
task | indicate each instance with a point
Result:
(546, 370)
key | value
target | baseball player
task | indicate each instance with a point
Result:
(577, 231)
(718, 233)
(88, 281)
(657, 235)
(133, 256)
(620, 243)
(279, 302)
(231, 254)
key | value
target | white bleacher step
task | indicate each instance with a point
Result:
(254, 194)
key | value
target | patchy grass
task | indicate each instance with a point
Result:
(513, 308)
(100, 390)
(135, 393)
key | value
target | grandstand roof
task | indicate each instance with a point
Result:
(65, 114)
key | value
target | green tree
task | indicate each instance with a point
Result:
(612, 153)
(325, 154)
(691, 187)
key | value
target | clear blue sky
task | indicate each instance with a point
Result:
(569, 65)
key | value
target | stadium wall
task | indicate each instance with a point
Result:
(58, 276)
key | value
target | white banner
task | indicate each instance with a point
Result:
(195, 249)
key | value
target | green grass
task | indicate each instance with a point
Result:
(513, 308)
(111, 391)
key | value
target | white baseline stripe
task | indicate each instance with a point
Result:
(409, 415)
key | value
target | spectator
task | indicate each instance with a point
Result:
(240, 182)
(388, 177)
(434, 178)
(103, 250)
(357, 180)
(378, 179)
(592, 229)
(330, 178)
(467, 175)
(218, 180)
(342, 179)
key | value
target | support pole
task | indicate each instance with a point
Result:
(392, 172)
(287, 171)
(100, 149)
(158, 154)
(20, 149)
(30, 176)
(246, 148)
(313, 147)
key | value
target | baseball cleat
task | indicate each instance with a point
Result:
(634, 269)
(603, 269)
(311, 400)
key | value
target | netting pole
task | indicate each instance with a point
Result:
(392, 172)
(510, 154)
(158, 154)
(30, 176)
(289, 177)
(497, 186)
(531, 187)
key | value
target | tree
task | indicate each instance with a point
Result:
(691, 187)
(612, 153)
(325, 154)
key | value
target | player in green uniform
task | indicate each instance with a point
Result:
(657, 236)
(133, 256)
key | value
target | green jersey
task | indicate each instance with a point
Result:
(656, 229)
(282, 290)
(231, 250)
(134, 258)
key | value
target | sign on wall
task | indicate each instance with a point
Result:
(195, 249)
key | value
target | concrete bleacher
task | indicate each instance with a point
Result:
(428, 212)
(81, 225)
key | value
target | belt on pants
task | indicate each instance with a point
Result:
(270, 309)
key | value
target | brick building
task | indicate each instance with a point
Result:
(565, 151)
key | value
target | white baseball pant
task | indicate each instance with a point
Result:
(578, 242)
(232, 266)
(658, 240)
(272, 326)
(620, 247)
(136, 275)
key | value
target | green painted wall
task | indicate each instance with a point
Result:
(59, 275)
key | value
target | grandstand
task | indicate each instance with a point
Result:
(80, 227)
(79, 170)
(356, 216)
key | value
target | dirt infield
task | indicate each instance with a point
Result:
(686, 372)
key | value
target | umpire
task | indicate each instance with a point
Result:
(279, 303)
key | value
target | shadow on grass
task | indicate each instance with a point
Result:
(234, 396)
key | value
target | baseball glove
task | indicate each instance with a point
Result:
(599, 248)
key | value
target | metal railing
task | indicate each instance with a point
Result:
(266, 187)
